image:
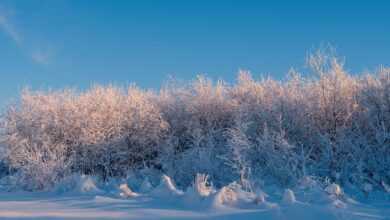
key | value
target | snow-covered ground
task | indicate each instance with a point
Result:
(46, 206)
(167, 202)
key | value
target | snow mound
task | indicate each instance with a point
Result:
(386, 187)
(126, 192)
(334, 189)
(80, 184)
(234, 196)
(166, 188)
(225, 196)
(87, 185)
(289, 197)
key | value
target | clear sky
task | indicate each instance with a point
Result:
(69, 43)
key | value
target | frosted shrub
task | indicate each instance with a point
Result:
(123, 130)
(201, 185)
(198, 115)
(262, 155)
(332, 124)
(104, 131)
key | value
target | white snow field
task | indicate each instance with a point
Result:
(86, 201)
(46, 206)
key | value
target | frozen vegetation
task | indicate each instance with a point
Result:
(302, 148)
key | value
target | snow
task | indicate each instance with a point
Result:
(289, 196)
(386, 187)
(126, 192)
(291, 158)
(78, 184)
(166, 188)
(90, 200)
(333, 189)
(49, 206)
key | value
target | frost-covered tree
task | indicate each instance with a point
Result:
(330, 124)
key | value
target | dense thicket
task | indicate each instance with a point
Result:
(332, 125)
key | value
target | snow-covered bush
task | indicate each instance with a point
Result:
(332, 125)
(198, 115)
(104, 131)
(201, 187)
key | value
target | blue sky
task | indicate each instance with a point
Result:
(64, 43)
